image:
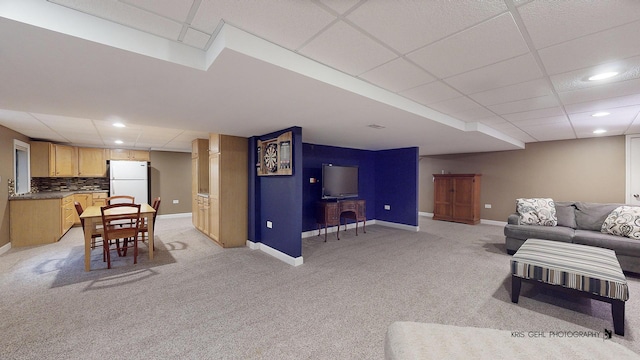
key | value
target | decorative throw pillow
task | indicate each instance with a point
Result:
(537, 211)
(623, 221)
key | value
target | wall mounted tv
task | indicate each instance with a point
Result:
(339, 182)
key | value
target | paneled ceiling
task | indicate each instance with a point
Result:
(446, 76)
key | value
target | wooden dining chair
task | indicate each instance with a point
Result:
(144, 228)
(95, 233)
(120, 222)
(115, 199)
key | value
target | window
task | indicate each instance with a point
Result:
(22, 166)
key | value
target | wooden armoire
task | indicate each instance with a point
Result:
(457, 198)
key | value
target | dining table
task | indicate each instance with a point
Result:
(92, 217)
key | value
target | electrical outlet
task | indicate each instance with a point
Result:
(269, 225)
(176, 201)
(487, 206)
(387, 207)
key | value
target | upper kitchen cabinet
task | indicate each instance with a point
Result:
(125, 154)
(92, 162)
(53, 160)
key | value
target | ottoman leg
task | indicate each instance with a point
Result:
(617, 312)
(516, 283)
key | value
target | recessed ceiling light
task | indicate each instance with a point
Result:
(603, 76)
(119, 124)
(601, 113)
(599, 131)
(118, 142)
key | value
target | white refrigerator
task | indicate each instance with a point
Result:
(129, 178)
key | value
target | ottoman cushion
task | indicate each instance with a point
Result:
(585, 268)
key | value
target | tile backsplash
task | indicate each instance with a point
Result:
(43, 184)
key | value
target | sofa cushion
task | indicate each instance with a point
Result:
(590, 216)
(621, 245)
(566, 213)
(537, 211)
(524, 232)
(623, 221)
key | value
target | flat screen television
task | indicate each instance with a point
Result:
(339, 182)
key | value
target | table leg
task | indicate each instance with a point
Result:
(87, 244)
(151, 237)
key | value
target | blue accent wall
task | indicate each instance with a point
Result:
(316, 155)
(397, 184)
(277, 199)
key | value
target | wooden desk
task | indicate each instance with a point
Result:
(93, 217)
(330, 213)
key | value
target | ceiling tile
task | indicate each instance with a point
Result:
(628, 69)
(524, 90)
(604, 104)
(534, 114)
(128, 15)
(490, 42)
(196, 38)
(343, 47)
(541, 102)
(494, 119)
(520, 69)
(553, 22)
(478, 114)
(287, 23)
(340, 6)
(173, 9)
(551, 132)
(560, 119)
(602, 91)
(579, 53)
(414, 31)
(622, 116)
(21, 121)
(431, 93)
(456, 105)
(397, 75)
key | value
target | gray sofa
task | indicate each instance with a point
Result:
(579, 223)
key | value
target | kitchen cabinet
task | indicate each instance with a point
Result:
(99, 198)
(41, 221)
(203, 214)
(228, 194)
(85, 200)
(92, 162)
(126, 154)
(200, 153)
(457, 198)
(53, 160)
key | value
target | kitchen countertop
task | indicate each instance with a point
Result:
(52, 194)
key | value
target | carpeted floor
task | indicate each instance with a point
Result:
(196, 300)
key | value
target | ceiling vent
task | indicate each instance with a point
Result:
(375, 126)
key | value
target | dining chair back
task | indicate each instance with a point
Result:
(95, 233)
(120, 222)
(117, 199)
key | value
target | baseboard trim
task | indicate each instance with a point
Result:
(493, 222)
(173, 216)
(333, 229)
(275, 253)
(398, 226)
(425, 214)
(5, 248)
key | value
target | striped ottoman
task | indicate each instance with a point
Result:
(588, 270)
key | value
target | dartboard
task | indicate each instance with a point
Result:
(271, 158)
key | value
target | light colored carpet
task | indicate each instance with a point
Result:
(196, 300)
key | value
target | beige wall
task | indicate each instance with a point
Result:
(171, 180)
(584, 170)
(6, 172)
